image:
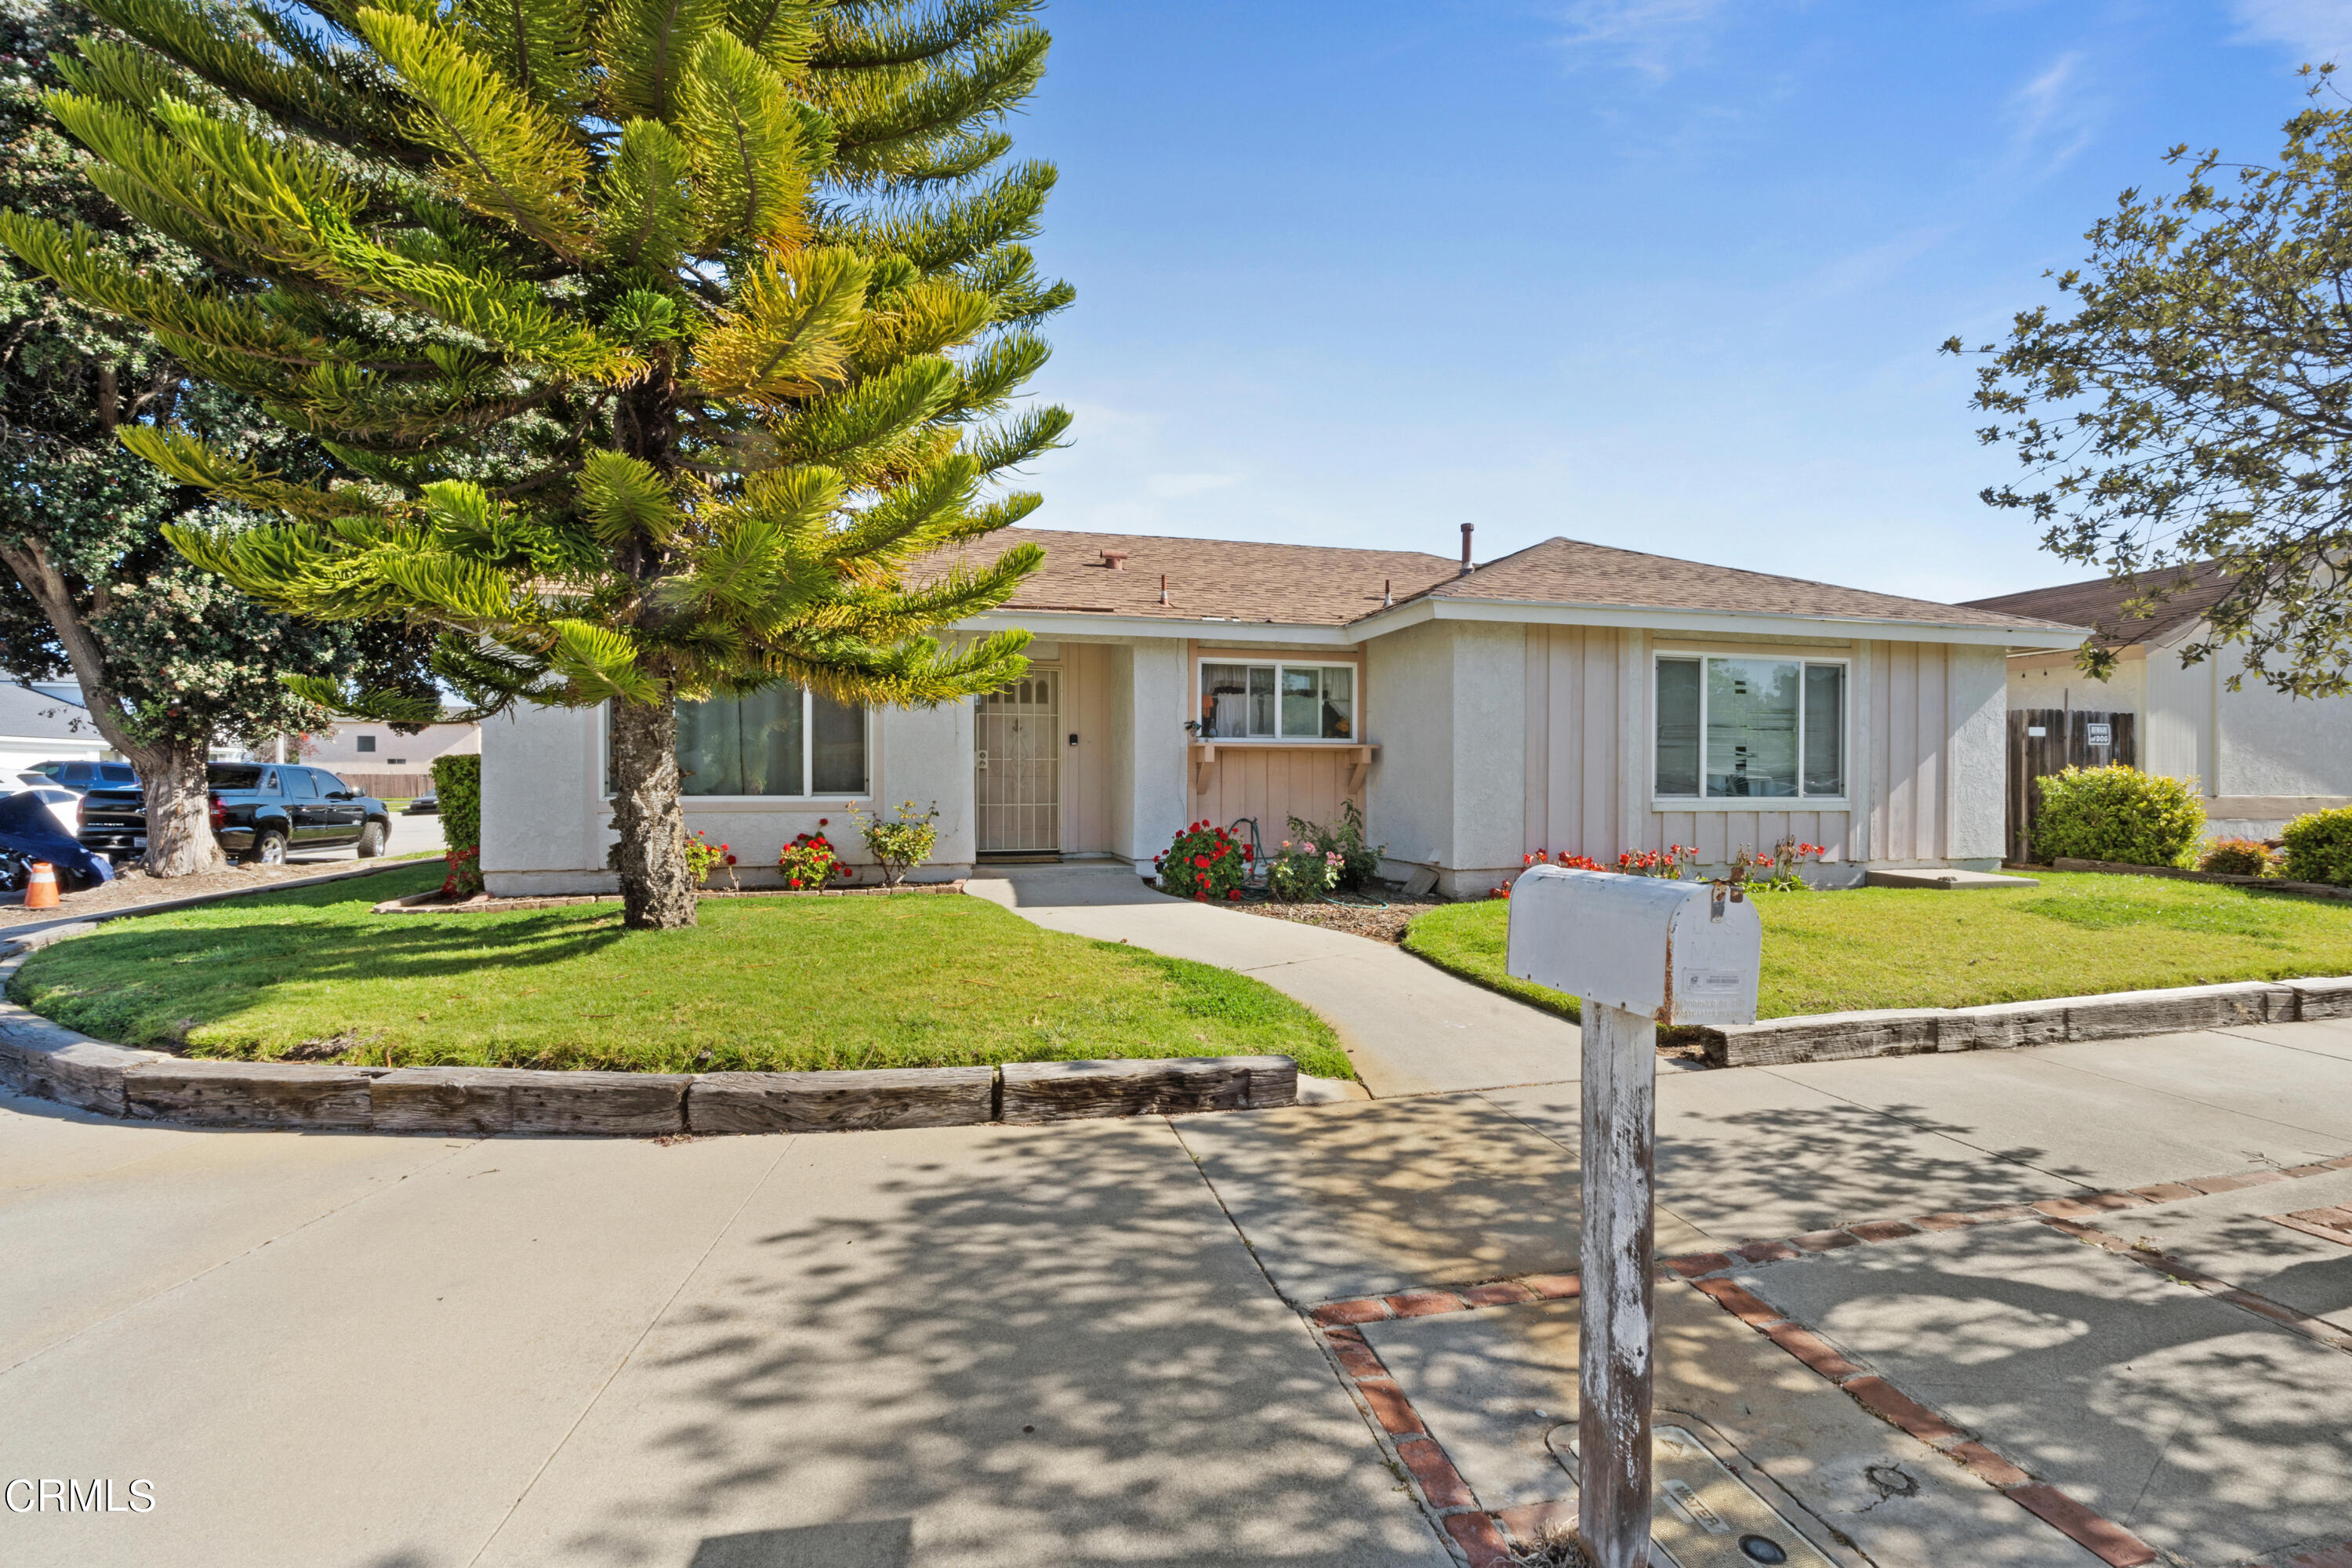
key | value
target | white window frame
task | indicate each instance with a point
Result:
(1841, 801)
(1355, 674)
(738, 802)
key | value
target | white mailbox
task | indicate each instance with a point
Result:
(1673, 952)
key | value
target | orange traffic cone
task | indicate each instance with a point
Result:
(41, 887)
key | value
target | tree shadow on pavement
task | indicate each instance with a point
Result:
(1040, 1346)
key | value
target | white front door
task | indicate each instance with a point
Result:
(1017, 766)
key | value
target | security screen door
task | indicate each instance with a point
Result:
(1017, 768)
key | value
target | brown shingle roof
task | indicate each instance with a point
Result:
(2099, 604)
(1306, 585)
(1298, 584)
(1569, 571)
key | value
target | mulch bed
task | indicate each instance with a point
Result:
(132, 886)
(1364, 915)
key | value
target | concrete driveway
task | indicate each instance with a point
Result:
(2068, 1305)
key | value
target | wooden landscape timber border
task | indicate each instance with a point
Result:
(45, 1059)
(2119, 1014)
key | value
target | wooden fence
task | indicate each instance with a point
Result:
(2044, 741)
(387, 786)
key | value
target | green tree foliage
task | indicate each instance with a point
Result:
(657, 350)
(2196, 405)
(2119, 814)
(170, 658)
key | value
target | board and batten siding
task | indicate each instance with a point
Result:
(1924, 751)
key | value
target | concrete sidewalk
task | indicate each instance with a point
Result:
(1409, 1027)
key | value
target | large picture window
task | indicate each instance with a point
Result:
(1278, 701)
(1735, 729)
(779, 742)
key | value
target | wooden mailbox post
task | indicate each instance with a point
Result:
(1637, 952)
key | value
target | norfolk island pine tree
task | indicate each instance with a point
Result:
(170, 658)
(652, 341)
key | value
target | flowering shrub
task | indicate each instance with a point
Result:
(1203, 864)
(465, 877)
(1305, 870)
(703, 857)
(902, 844)
(2237, 858)
(1358, 859)
(1667, 862)
(809, 861)
(1564, 860)
(1777, 872)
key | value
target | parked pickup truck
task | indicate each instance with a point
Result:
(262, 812)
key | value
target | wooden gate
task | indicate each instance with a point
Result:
(2044, 741)
(1016, 780)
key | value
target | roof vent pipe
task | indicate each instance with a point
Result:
(1467, 567)
(1164, 587)
(1388, 593)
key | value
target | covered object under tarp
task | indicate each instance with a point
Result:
(27, 828)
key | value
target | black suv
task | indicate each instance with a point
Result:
(262, 812)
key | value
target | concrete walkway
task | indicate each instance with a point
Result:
(1409, 1027)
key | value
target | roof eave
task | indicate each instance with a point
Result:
(1553, 612)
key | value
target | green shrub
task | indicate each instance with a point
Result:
(2120, 813)
(458, 780)
(1303, 871)
(899, 846)
(2319, 847)
(2236, 857)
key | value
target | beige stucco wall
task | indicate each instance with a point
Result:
(546, 825)
(1448, 791)
(395, 752)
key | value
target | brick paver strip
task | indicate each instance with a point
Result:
(1357, 1359)
(1811, 1349)
(1988, 1465)
(1504, 1293)
(1424, 1303)
(1697, 1263)
(1479, 1540)
(2325, 1557)
(1528, 1522)
(1363, 1311)
(1948, 1221)
(2310, 1223)
(1395, 1412)
(1823, 1240)
(2166, 1193)
(1740, 1303)
(1554, 1286)
(1890, 1403)
(1767, 1251)
(2110, 1542)
(1441, 1483)
(1884, 1229)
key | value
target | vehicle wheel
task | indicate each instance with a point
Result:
(268, 848)
(372, 839)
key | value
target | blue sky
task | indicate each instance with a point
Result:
(1662, 274)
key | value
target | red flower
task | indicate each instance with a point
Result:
(1232, 892)
(825, 822)
(1200, 860)
(1200, 898)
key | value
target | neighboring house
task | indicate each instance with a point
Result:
(48, 724)
(382, 761)
(1569, 698)
(2259, 758)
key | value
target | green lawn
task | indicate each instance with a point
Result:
(920, 980)
(2076, 934)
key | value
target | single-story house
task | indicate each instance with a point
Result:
(2259, 758)
(1569, 698)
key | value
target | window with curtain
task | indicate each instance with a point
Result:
(1735, 729)
(779, 742)
(1278, 701)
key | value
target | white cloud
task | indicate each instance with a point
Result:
(1175, 487)
(1656, 38)
(2316, 30)
(2053, 116)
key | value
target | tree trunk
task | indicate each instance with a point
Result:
(180, 841)
(656, 888)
